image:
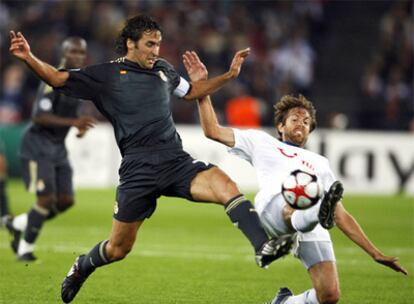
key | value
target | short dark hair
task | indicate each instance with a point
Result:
(288, 102)
(72, 40)
(133, 29)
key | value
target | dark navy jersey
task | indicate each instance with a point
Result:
(135, 100)
(40, 141)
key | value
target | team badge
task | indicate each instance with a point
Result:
(45, 104)
(122, 72)
(40, 185)
(162, 76)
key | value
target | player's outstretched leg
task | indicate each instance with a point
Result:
(281, 297)
(243, 214)
(328, 205)
(213, 185)
(35, 219)
(121, 241)
(273, 250)
(73, 281)
(82, 268)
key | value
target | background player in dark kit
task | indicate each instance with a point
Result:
(45, 164)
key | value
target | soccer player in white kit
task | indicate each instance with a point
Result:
(273, 160)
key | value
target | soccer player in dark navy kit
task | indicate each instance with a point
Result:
(133, 92)
(45, 164)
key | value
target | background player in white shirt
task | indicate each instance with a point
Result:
(274, 160)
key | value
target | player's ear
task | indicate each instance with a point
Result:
(279, 127)
(131, 44)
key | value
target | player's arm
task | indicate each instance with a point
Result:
(197, 71)
(44, 115)
(211, 127)
(20, 48)
(350, 227)
(82, 123)
(204, 87)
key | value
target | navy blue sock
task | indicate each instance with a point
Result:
(95, 258)
(53, 212)
(35, 219)
(242, 213)
(57, 209)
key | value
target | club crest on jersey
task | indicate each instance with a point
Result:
(122, 72)
(162, 76)
(45, 104)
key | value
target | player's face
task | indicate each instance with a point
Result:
(297, 126)
(74, 55)
(146, 50)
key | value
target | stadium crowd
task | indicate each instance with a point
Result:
(387, 83)
(285, 37)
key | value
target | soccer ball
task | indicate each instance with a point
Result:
(301, 190)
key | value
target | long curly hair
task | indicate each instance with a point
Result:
(287, 102)
(133, 29)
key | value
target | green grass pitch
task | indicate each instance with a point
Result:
(190, 253)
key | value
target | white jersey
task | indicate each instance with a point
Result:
(273, 161)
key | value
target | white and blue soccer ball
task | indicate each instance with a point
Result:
(301, 189)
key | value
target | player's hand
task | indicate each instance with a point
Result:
(391, 262)
(19, 47)
(237, 62)
(195, 68)
(83, 124)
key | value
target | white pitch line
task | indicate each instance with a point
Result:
(197, 255)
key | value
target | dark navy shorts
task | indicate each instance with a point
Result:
(142, 183)
(45, 177)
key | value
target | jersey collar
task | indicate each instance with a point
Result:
(290, 144)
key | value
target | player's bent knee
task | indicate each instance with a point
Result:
(329, 297)
(65, 203)
(47, 202)
(232, 187)
(229, 190)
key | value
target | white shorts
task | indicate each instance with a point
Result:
(311, 253)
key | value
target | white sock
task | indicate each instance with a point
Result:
(20, 222)
(25, 247)
(305, 220)
(308, 297)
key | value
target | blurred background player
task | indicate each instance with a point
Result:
(4, 206)
(274, 160)
(46, 168)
